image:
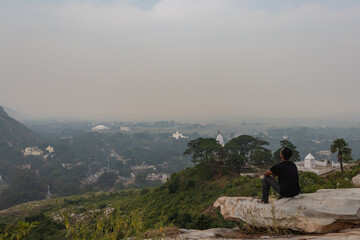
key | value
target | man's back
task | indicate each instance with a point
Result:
(288, 178)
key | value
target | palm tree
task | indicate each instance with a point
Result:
(343, 151)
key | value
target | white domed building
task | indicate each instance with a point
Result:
(310, 164)
(100, 128)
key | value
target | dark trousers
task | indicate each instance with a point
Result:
(266, 183)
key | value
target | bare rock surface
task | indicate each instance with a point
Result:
(224, 233)
(324, 211)
(213, 233)
(356, 180)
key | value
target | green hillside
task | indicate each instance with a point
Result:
(185, 201)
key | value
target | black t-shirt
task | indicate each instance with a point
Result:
(288, 178)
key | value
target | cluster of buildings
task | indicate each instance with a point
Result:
(95, 177)
(105, 128)
(163, 177)
(32, 151)
(69, 166)
(142, 167)
(36, 151)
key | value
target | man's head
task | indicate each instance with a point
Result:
(285, 153)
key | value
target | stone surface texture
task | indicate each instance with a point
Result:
(223, 233)
(324, 211)
(356, 180)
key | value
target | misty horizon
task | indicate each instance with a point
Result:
(269, 122)
(180, 60)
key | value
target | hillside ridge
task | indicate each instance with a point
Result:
(15, 133)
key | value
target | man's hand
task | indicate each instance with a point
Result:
(268, 173)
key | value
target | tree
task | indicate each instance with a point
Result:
(239, 149)
(245, 144)
(261, 158)
(233, 156)
(24, 186)
(343, 151)
(295, 157)
(107, 180)
(140, 178)
(205, 150)
(234, 161)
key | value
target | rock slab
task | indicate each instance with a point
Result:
(324, 211)
(356, 180)
(221, 233)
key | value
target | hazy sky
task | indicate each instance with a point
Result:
(180, 59)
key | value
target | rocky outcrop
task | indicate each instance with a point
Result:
(325, 211)
(231, 234)
(356, 180)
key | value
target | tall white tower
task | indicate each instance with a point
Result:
(48, 195)
(220, 139)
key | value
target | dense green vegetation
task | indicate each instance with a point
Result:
(81, 156)
(240, 152)
(184, 201)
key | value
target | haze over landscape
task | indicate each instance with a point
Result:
(165, 119)
(146, 60)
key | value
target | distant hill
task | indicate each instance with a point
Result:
(16, 114)
(15, 133)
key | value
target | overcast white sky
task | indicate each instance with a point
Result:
(180, 59)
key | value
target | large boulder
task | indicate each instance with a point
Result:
(356, 180)
(325, 211)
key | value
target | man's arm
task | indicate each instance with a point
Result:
(268, 173)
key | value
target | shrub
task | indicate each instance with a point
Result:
(173, 183)
(202, 222)
(144, 191)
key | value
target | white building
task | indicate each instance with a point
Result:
(35, 151)
(50, 149)
(100, 128)
(178, 135)
(310, 164)
(25, 166)
(142, 167)
(309, 161)
(125, 129)
(160, 176)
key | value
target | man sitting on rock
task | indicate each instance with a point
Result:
(288, 185)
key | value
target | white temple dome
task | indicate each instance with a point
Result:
(99, 128)
(309, 157)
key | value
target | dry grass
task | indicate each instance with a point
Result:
(210, 211)
(169, 232)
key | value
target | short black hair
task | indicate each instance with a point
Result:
(286, 152)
